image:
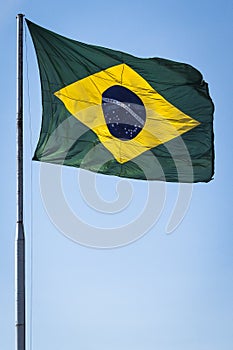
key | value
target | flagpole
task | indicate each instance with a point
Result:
(19, 237)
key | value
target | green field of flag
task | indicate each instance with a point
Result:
(110, 112)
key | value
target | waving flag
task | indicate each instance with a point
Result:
(116, 114)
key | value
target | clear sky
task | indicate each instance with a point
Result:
(164, 292)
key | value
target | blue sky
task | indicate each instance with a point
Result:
(163, 291)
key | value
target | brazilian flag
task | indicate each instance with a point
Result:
(110, 112)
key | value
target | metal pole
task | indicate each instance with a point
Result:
(19, 238)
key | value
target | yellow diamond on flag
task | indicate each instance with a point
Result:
(151, 122)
